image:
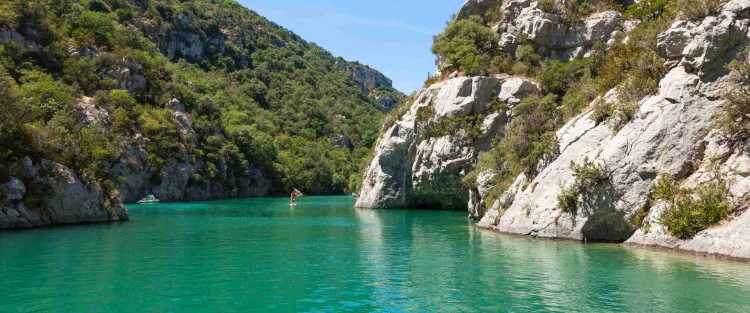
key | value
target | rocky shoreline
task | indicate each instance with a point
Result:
(672, 133)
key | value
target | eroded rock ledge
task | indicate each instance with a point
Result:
(673, 133)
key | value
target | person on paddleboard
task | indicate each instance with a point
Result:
(295, 194)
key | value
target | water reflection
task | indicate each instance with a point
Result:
(323, 256)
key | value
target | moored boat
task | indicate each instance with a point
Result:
(149, 199)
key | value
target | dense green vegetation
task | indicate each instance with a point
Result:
(735, 122)
(467, 45)
(691, 210)
(259, 96)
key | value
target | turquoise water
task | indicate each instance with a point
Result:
(258, 255)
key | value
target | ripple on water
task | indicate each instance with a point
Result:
(259, 255)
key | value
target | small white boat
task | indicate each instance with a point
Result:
(149, 199)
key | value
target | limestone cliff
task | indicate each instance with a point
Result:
(672, 133)
(417, 167)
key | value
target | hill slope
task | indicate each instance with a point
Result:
(186, 100)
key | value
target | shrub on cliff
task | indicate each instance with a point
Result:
(529, 138)
(466, 45)
(588, 177)
(691, 210)
(735, 121)
(696, 10)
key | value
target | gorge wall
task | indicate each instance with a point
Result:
(104, 102)
(602, 171)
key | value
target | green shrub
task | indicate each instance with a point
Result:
(549, 6)
(646, 10)
(568, 199)
(14, 141)
(696, 10)
(8, 14)
(466, 45)
(633, 68)
(44, 95)
(529, 138)
(558, 77)
(578, 96)
(92, 29)
(527, 60)
(636, 62)
(588, 177)
(691, 210)
(735, 120)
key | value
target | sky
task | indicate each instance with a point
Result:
(392, 36)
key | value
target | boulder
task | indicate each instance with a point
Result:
(702, 46)
(13, 190)
(516, 88)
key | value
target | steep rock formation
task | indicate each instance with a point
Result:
(377, 86)
(420, 160)
(673, 133)
(176, 182)
(520, 21)
(60, 196)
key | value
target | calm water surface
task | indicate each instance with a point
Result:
(259, 255)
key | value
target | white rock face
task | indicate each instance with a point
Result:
(524, 20)
(516, 88)
(409, 170)
(729, 238)
(673, 133)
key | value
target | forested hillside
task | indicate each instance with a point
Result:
(185, 99)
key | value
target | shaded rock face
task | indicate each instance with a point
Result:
(378, 87)
(13, 37)
(175, 179)
(411, 169)
(365, 77)
(185, 40)
(48, 193)
(673, 133)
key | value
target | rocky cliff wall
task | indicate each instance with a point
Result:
(44, 193)
(420, 161)
(673, 133)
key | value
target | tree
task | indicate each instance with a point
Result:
(466, 45)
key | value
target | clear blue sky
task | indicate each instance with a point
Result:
(393, 36)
